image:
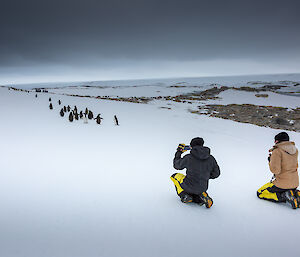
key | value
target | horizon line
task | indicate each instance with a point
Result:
(147, 78)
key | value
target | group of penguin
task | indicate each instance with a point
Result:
(73, 114)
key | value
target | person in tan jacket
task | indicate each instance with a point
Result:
(283, 163)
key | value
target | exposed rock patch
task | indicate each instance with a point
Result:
(265, 116)
(262, 95)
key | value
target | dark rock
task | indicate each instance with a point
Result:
(281, 121)
(262, 95)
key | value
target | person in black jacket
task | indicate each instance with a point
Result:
(200, 167)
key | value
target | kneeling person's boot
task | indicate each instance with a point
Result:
(297, 193)
(185, 198)
(291, 198)
(206, 200)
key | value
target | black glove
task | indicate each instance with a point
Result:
(178, 154)
(179, 149)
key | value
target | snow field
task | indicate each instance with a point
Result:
(242, 97)
(74, 189)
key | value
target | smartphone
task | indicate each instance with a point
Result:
(187, 147)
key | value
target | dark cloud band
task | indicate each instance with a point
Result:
(73, 32)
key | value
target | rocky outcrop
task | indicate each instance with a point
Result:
(265, 116)
(262, 95)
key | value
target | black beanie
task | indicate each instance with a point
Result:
(283, 136)
(197, 141)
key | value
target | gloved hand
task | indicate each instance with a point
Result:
(178, 153)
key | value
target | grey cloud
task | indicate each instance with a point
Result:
(91, 32)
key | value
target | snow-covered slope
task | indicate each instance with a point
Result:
(75, 189)
(244, 97)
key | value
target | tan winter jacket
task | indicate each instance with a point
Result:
(284, 164)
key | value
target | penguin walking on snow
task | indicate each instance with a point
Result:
(98, 119)
(116, 120)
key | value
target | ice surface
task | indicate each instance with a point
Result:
(75, 189)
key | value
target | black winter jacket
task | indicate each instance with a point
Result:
(200, 167)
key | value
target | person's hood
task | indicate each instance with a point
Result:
(288, 147)
(200, 152)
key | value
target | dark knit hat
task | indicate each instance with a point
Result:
(197, 141)
(283, 136)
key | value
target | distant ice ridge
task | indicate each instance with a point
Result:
(199, 81)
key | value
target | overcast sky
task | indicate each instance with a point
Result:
(57, 40)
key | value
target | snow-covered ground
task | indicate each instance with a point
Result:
(75, 189)
(244, 97)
